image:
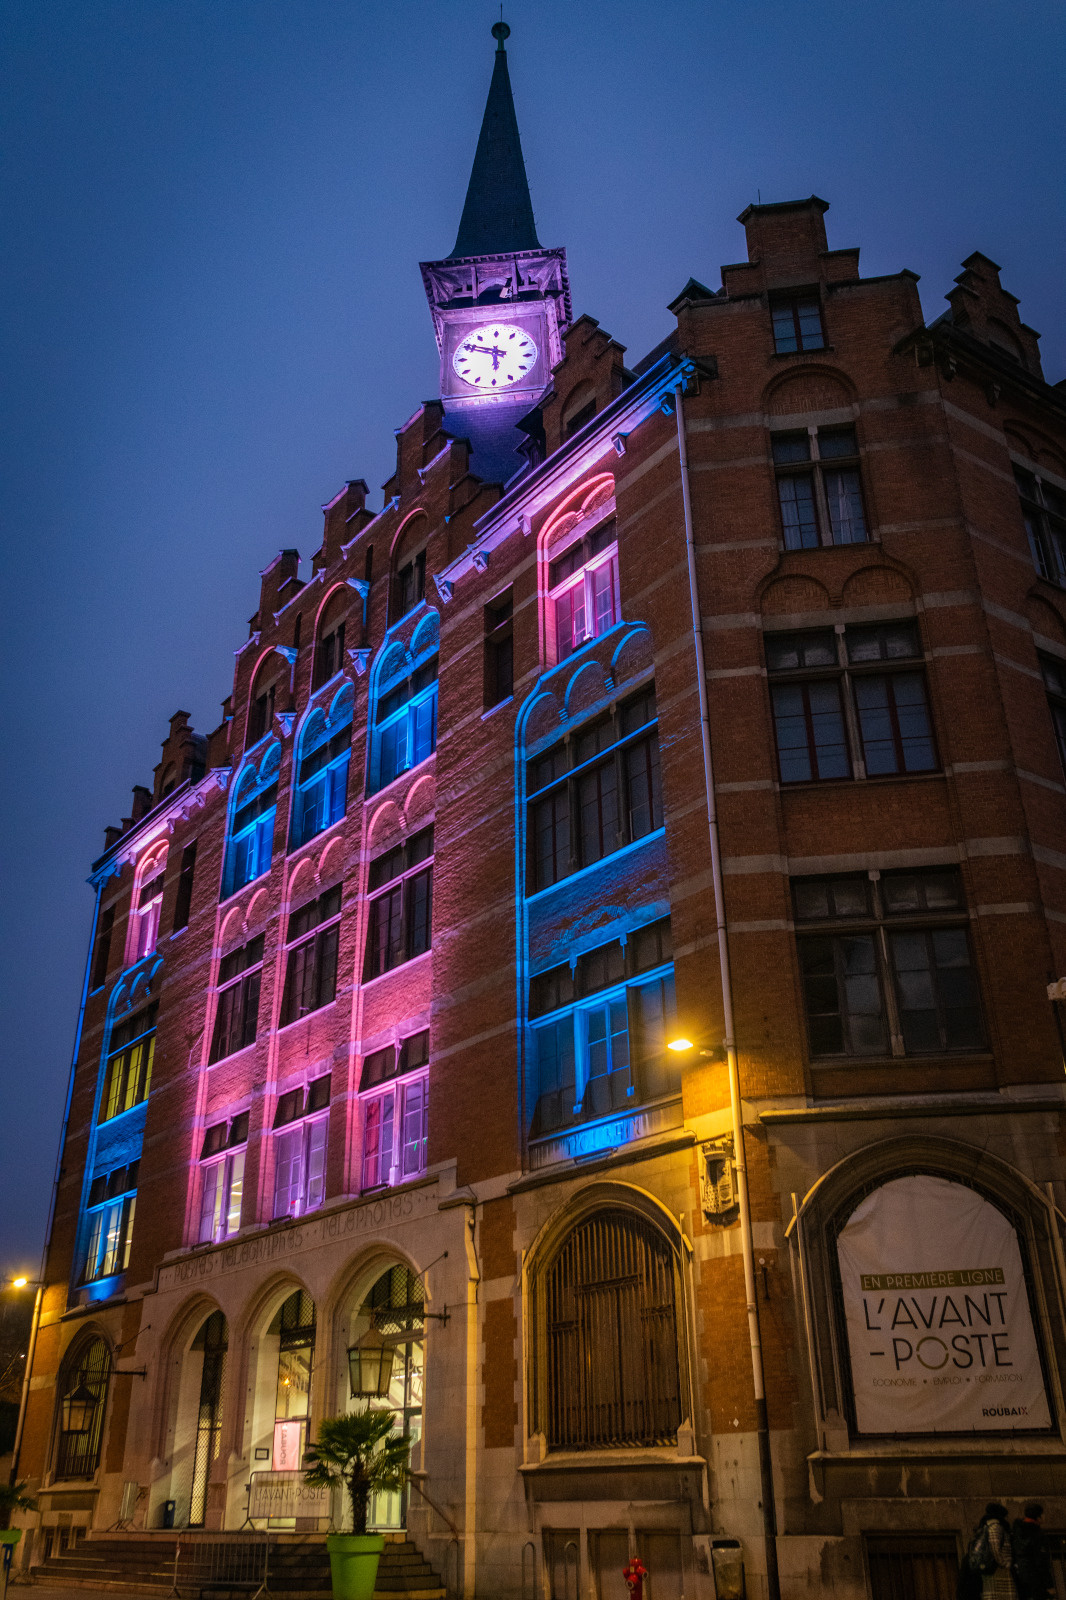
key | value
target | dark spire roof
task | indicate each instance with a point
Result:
(498, 213)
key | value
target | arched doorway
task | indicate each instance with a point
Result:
(198, 1420)
(281, 1371)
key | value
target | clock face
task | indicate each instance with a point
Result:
(494, 356)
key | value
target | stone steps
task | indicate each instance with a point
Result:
(297, 1569)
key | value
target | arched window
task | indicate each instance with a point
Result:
(261, 701)
(323, 754)
(147, 904)
(407, 584)
(405, 716)
(610, 1361)
(84, 1376)
(936, 1300)
(329, 645)
(583, 589)
(580, 408)
(395, 1308)
(251, 833)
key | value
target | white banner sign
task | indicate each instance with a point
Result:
(288, 1437)
(939, 1328)
(285, 1494)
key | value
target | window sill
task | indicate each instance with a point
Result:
(400, 776)
(802, 785)
(637, 844)
(225, 899)
(403, 966)
(803, 355)
(222, 1060)
(177, 933)
(323, 686)
(492, 710)
(316, 838)
(109, 1122)
(823, 549)
(295, 1023)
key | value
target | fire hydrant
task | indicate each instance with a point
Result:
(634, 1572)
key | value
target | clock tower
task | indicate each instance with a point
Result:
(500, 302)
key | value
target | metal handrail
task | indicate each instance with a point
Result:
(532, 1591)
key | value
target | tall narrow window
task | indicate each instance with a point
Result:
(183, 903)
(819, 488)
(301, 1130)
(400, 918)
(222, 1162)
(311, 963)
(595, 792)
(395, 1090)
(1044, 515)
(599, 1031)
(250, 844)
(109, 1216)
(128, 1075)
(408, 586)
(147, 905)
(323, 758)
(237, 1009)
(102, 954)
(405, 721)
(583, 589)
(612, 1376)
(329, 646)
(499, 650)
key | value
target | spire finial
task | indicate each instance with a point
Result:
(498, 214)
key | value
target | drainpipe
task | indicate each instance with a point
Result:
(472, 1420)
(25, 1396)
(747, 1243)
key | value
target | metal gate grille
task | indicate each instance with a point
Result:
(212, 1341)
(612, 1337)
(77, 1454)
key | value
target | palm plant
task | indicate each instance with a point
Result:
(360, 1450)
(13, 1497)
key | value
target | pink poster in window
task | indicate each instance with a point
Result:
(286, 1446)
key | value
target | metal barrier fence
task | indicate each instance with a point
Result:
(235, 1565)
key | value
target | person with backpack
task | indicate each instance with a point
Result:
(989, 1555)
(1032, 1555)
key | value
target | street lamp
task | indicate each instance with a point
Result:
(79, 1408)
(370, 1365)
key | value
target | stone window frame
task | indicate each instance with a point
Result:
(811, 1235)
(598, 1197)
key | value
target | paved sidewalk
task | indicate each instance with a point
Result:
(41, 1591)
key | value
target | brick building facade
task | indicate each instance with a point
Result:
(720, 698)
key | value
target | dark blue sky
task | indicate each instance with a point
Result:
(212, 315)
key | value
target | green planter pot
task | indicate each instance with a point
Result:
(353, 1563)
(10, 1535)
